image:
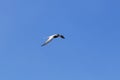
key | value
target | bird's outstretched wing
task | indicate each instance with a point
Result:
(50, 38)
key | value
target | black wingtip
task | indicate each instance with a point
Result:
(62, 36)
(42, 45)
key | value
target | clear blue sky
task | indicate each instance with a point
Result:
(91, 50)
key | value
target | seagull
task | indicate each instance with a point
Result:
(50, 38)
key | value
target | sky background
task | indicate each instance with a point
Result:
(91, 50)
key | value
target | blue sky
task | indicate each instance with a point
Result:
(91, 50)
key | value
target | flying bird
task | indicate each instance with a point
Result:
(50, 38)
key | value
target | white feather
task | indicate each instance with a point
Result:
(50, 38)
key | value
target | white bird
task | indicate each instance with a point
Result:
(50, 38)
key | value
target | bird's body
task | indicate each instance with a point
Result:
(50, 38)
